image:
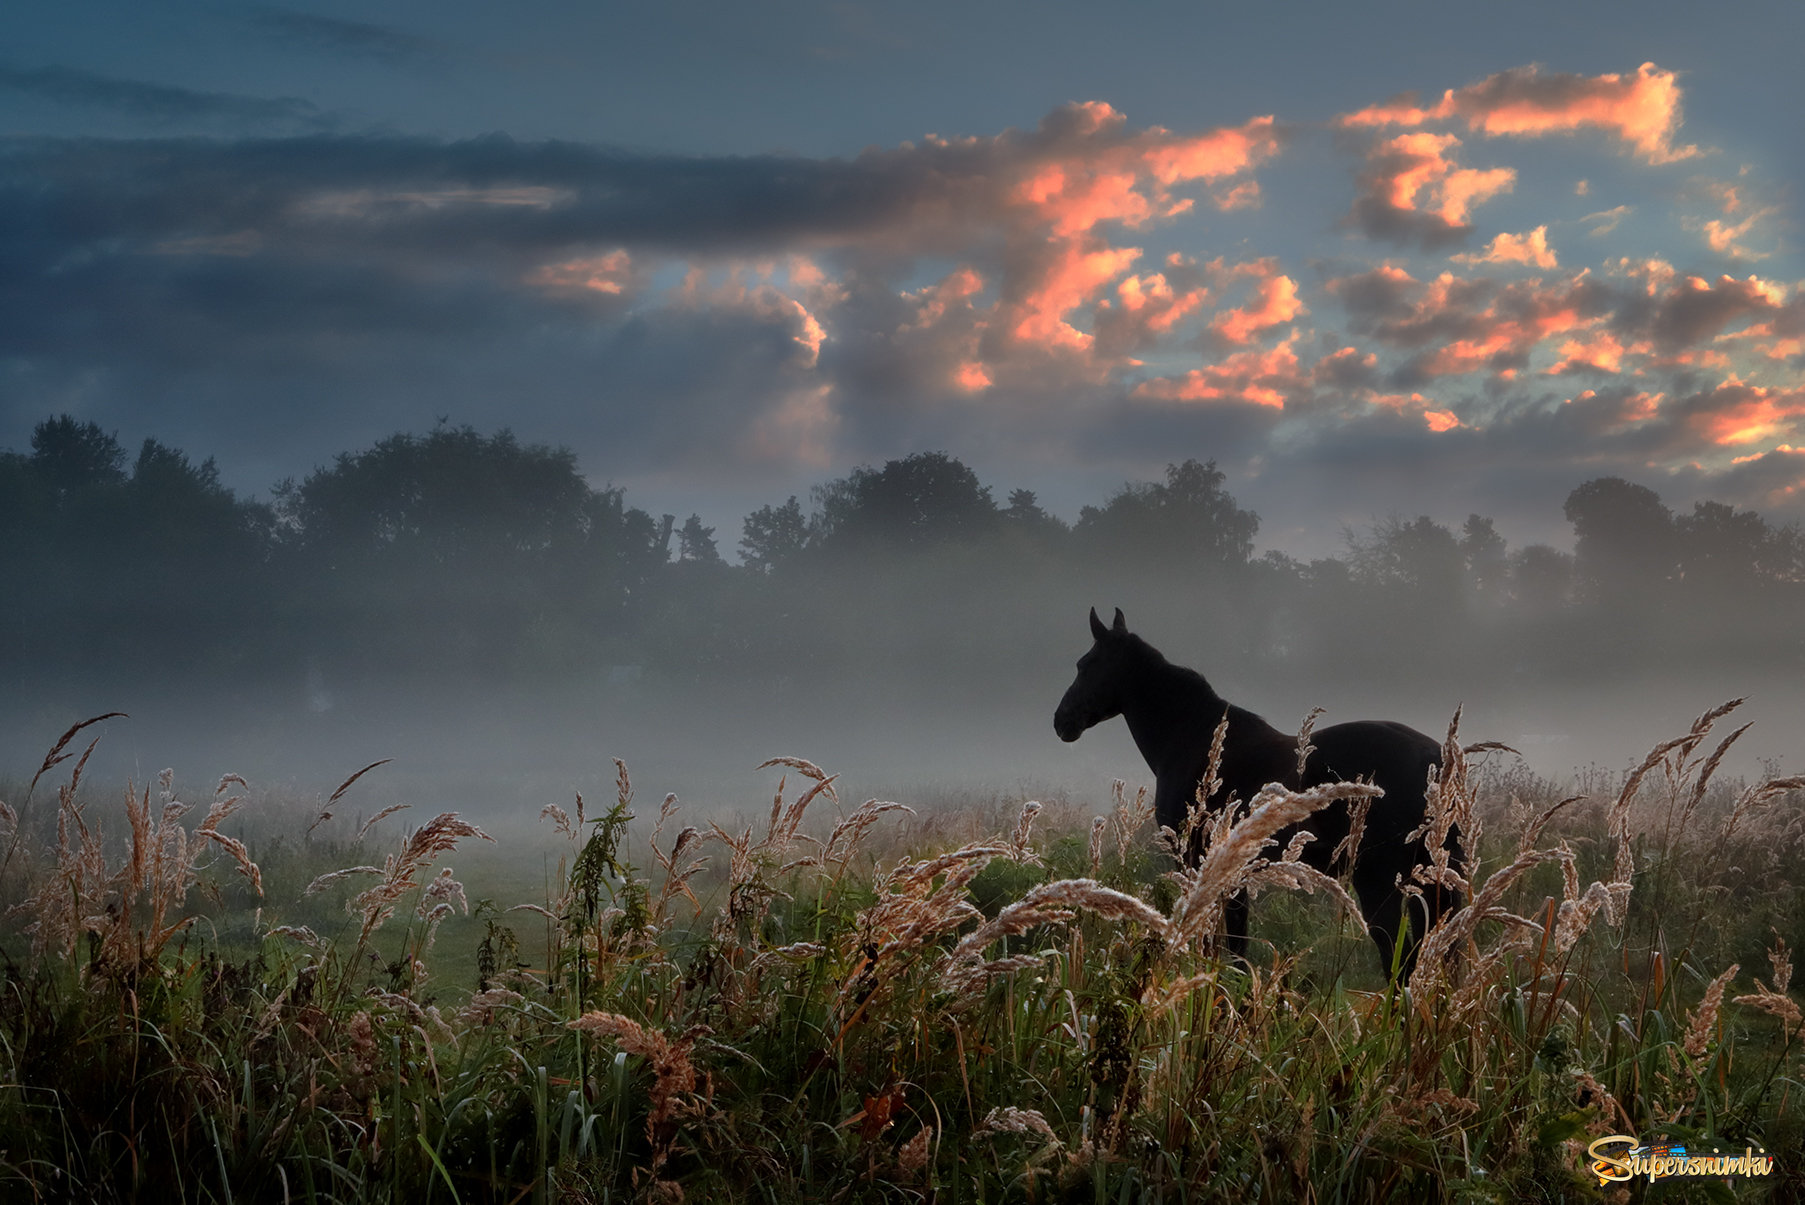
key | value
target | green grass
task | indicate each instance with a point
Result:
(795, 1009)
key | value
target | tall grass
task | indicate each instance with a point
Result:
(829, 1004)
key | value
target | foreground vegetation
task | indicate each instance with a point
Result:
(876, 1005)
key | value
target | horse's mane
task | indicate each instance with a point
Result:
(1158, 660)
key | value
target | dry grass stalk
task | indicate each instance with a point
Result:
(1451, 824)
(1304, 747)
(911, 911)
(400, 870)
(844, 840)
(1019, 849)
(673, 1076)
(482, 1007)
(1292, 875)
(1456, 929)
(1096, 846)
(913, 1154)
(1349, 846)
(1701, 1025)
(1049, 903)
(364, 829)
(677, 874)
(1532, 832)
(1228, 861)
(1703, 779)
(326, 812)
(1758, 798)
(135, 909)
(1128, 817)
(1007, 1119)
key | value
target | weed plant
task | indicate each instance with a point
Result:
(847, 1003)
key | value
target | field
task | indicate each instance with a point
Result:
(252, 998)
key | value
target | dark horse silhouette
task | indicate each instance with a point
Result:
(1172, 713)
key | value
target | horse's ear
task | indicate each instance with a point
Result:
(1098, 631)
(1121, 628)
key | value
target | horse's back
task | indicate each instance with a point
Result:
(1394, 755)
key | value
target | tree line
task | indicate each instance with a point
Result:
(456, 554)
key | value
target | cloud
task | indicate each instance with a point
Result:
(1692, 310)
(1080, 292)
(161, 104)
(1530, 249)
(1607, 219)
(1735, 414)
(1274, 303)
(1642, 109)
(1725, 238)
(1412, 191)
(356, 39)
(1261, 377)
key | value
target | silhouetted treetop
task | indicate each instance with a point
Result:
(1189, 517)
(695, 543)
(925, 499)
(1624, 538)
(441, 496)
(773, 536)
(70, 456)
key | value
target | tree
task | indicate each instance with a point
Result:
(1189, 517)
(1483, 551)
(1722, 549)
(1541, 578)
(1624, 551)
(919, 501)
(463, 551)
(695, 543)
(71, 456)
(1025, 516)
(773, 535)
(1420, 557)
(441, 497)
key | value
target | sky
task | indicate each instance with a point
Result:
(1371, 259)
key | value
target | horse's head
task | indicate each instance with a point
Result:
(1094, 695)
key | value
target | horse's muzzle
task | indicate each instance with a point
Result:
(1068, 729)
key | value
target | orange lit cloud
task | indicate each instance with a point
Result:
(611, 274)
(1083, 170)
(1412, 188)
(1724, 237)
(1530, 249)
(1275, 302)
(1642, 109)
(1692, 309)
(1415, 403)
(1261, 377)
(1245, 195)
(1735, 413)
(1466, 325)
(1069, 274)
(1602, 352)
(1147, 307)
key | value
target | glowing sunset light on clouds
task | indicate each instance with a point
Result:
(1501, 274)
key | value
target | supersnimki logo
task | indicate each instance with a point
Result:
(1623, 1157)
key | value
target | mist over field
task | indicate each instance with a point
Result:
(471, 608)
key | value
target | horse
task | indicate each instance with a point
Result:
(1173, 712)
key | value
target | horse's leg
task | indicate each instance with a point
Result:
(1234, 924)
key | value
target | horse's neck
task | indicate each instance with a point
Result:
(1167, 709)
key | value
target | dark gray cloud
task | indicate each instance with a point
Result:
(161, 104)
(360, 39)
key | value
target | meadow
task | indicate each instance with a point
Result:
(247, 996)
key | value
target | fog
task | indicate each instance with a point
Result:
(475, 612)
